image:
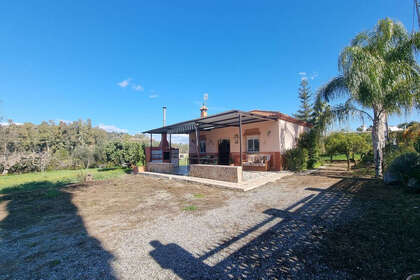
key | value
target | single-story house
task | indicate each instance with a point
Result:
(256, 140)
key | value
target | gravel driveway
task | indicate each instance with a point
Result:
(145, 228)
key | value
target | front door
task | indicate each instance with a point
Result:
(224, 151)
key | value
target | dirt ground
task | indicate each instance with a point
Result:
(138, 227)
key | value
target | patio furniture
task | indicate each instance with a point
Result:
(204, 159)
(257, 162)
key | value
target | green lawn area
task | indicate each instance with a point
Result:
(339, 157)
(53, 179)
(183, 161)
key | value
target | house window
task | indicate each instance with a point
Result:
(253, 144)
(202, 146)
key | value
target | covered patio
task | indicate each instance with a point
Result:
(155, 156)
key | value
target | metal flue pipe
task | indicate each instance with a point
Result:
(164, 115)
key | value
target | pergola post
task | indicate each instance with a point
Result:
(170, 147)
(151, 143)
(197, 148)
(240, 139)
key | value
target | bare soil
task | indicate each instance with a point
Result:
(138, 227)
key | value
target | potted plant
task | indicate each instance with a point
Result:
(135, 169)
(140, 166)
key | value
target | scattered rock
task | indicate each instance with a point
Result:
(89, 177)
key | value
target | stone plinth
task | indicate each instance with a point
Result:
(160, 167)
(217, 172)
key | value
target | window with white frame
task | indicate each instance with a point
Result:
(253, 144)
(202, 146)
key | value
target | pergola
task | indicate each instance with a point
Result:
(235, 118)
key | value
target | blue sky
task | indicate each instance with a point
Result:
(118, 62)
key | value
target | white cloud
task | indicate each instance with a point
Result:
(308, 76)
(138, 87)
(153, 96)
(124, 83)
(180, 138)
(6, 123)
(112, 128)
(314, 75)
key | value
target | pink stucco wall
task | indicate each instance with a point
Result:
(288, 134)
(275, 136)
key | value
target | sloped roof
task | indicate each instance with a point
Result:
(225, 119)
(281, 116)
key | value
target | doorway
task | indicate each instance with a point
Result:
(224, 151)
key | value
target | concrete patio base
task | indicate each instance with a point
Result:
(243, 186)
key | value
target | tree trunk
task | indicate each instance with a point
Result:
(378, 141)
(5, 160)
(348, 161)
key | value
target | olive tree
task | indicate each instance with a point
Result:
(124, 153)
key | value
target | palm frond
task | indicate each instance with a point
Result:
(335, 88)
(347, 110)
(378, 71)
(415, 40)
(362, 70)
(360, 39)
(402, 83)
(405, 49)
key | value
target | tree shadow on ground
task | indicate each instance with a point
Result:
(43, 237)
(305, 243)
(33, 186)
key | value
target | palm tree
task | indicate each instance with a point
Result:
(379, 76)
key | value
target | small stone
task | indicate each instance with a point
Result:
(89, 178)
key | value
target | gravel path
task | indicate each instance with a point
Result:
(270, 233)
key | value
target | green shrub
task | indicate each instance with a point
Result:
(83, 157)
(125, 154)
(25, 165)
(406, 167)
(310, 141)
(297, 159)
(367, 158)
(417, 145)
(392, 152)
(60, 159)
